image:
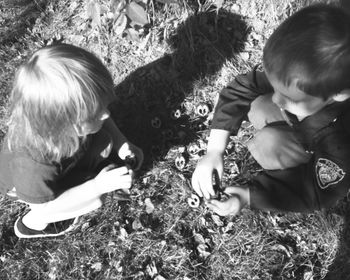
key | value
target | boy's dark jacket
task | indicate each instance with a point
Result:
(326, 135)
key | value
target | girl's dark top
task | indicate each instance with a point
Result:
(326, 135)
(23, 178)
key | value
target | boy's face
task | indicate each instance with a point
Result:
(294, 100)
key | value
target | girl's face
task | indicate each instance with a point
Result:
(94, 125)
(295, 101)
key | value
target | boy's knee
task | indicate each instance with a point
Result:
(263, 111)
(276, 149)
(266, 139)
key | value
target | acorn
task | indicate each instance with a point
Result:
(203, 109)
(194, 201)
(193, 149)
(156, 122)
(180, 162)
(175, 114)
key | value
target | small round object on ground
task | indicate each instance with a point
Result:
(180, 162)
(193, 201)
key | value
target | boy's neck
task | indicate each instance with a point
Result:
(300, 118)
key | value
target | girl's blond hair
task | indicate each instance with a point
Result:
(59, 87)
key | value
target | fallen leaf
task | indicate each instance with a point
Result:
(97, 266)
(123, 235)
(120, 24)
(152, 269)
(308, 275)
(149, 206)
(136, 13)
(198, 238)
(203, 251)
(217, 220)
(132, 34)
(244, 55)
(218, 3)
(136, 224)
(93, 10)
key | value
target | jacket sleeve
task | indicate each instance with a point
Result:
(234, 100)
(318, 184)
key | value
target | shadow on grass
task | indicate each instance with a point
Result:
(340, 268)
(150, 95)
(201, 45)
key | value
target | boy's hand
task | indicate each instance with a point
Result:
(110, 179)
(231, 206)
(202, 178)
(239, 197)
(130, 150)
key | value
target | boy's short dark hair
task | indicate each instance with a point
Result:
(313, 45)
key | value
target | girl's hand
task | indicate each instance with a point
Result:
(110, 179)
(233, 205)
(130, 150)
(202, 178)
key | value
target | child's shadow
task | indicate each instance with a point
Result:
(150, 109)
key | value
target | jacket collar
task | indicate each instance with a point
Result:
(322, 118)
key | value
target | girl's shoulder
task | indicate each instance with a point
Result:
(22, 162)
(26, 176)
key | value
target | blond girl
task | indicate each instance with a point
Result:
(61, 141)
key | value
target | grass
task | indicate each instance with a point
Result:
(189, 52)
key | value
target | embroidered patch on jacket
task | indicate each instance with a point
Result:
(328, 173)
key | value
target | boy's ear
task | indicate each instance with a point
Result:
(342, 96)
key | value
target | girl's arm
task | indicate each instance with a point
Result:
(117, 136)
(83, 198)
(121, 145)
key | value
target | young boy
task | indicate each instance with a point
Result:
(299, 104)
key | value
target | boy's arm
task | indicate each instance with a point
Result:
(213, 160)
(318, 184)
(231, 109)
(234, 101)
